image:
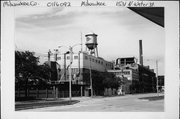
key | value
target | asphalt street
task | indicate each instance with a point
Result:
(127, 103)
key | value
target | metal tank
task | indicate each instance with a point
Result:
(91, 41)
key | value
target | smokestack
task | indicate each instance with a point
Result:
(140, 52)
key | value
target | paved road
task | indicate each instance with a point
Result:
(128, 103)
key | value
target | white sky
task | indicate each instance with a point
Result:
(119, 31)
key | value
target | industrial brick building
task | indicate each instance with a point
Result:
(126, 68)
(141, 79)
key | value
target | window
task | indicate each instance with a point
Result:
(93, 60)
(126, 73)
(67, 57)
(58, 58)
(86, 57)
(75, 57)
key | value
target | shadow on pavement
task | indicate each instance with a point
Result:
(153, 98)
(45, 103)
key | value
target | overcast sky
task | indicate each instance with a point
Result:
(119, 31)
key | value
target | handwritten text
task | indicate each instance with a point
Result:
(134, 4)
(97, 3)
(19, 3)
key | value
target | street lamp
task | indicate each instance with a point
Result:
(71, 60)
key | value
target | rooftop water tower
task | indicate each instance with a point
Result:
(91, 43)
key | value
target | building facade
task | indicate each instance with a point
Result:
(140, 79)
(147, 80)
(161, 82)
(131, 75)
(82, 64)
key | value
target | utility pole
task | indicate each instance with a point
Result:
(90, 75)
(156, 65)
(70, 73)
(157, 78)
(70, 69)
(81, 41)
(56, 86)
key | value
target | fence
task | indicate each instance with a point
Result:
(45, 93)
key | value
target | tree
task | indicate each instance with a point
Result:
(26, 68)
(102, 80)
(110, 81)
(43, 74)
(97, 82)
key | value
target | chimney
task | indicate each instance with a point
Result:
(140, 52)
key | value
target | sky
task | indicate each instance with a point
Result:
(118, 28)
